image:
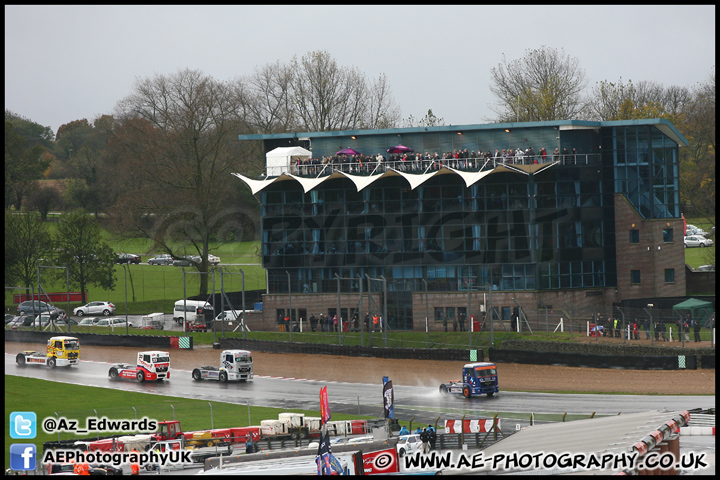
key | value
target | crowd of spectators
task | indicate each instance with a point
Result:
(426, 162)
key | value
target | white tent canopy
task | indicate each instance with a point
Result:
(280, 160)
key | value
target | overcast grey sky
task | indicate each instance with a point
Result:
(64, 63)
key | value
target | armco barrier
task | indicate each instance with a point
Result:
(95, 339)
(353, 351)
(658, 362)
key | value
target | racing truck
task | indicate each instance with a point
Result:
(478, 378)
(152, 365)
(61, 351)
(234, 365)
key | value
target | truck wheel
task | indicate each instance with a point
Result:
(401, 453)
(443, 390)
(52, 362)
(113, 373)
(20, 359)
(210, 443)
(466, 392)
(196, 375)
(223, 377)
(490, 394)
(140, 376)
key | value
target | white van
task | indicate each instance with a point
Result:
(195, 310)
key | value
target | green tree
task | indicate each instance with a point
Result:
(543, 85)
(24, 165)
(27, 240)
(80, 247)
(43, 199)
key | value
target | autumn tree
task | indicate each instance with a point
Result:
(178, 135)
(543, 85)
(79, 246)
(697, 171)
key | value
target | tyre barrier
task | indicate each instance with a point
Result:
(101, 340)
(348, 350)
(657, 362)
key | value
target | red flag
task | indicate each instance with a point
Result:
(684, 224)
(324, 407)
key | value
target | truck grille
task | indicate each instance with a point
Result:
(72, 355)
(161, 369)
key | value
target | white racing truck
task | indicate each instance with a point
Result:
(152, 365)
(234, 365)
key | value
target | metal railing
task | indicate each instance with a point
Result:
(371, 166)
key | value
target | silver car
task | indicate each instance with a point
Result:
(95, 308)
(162, 259)
(697, 241)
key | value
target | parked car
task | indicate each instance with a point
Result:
(9, 318)
(706, 268)
(88, 322)
(186, 261)
(21, 321)
(95, 308)
(127, 258)
(26, 308)
(228, 316)
(162, 259)
(113, 322)
(693, 230)
(697, 241)
(213, 260)
(409, 444)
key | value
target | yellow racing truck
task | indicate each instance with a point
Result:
(61, 352)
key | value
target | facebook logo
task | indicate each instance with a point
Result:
(23, 456)
(23, 425)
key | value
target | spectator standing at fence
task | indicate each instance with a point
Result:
(432, 437)
(646, 327)
(662, 331)
(425, 439)
(313, 322)
(335, 323)
(686, 327)
(636, 334)
(462, 322)
(696, 329)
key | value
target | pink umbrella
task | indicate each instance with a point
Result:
(347, 151)
(400, 149)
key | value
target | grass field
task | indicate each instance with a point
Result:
(79, 402)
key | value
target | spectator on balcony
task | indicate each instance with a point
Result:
(556, 155)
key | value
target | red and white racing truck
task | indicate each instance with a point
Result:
(153, 365)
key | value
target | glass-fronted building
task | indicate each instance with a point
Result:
(541, 219)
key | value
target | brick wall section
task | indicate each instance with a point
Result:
(646, 256)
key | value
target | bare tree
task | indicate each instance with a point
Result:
(382, 111)
(265, 99)
(326, 95)
(180, 133)
(543, 85)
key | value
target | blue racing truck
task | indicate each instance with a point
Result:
(478, 378)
